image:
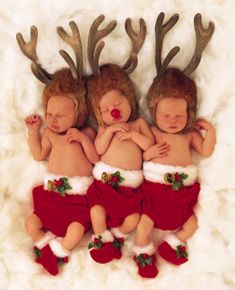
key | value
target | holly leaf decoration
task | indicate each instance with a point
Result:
(144, 260)
(181, 251)
(96, 243)
(64, 186)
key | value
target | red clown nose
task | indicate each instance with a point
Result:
(115, 113)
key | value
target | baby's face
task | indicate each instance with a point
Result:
(171, 114)
(60, 114)
(114, 108)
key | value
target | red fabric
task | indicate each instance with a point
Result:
(148, 271)
(169, 209)
(170, 255)
(117, 253)
(48, 260)
(104, 254)
(118, 203)
(56, 212)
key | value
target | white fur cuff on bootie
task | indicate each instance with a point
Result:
(58, 249)
(44, 240)
(106, 236)
(148, 249)
(118, 234)
(173, 241)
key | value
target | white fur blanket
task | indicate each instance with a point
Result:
(212, 248)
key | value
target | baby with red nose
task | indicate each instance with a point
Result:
(113, 197)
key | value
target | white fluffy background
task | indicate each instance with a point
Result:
(212, 248)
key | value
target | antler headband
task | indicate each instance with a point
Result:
(95, 47)
(29, 50)
(202, 38)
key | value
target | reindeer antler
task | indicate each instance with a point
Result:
(160, 31)
(137, 40)
(202, 38)
(29, 50)
(94, 50)
(75, 42)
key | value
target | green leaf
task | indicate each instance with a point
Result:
(116, 174)
(90, 245)
(175, 186)
(37, 252)
(183, 176)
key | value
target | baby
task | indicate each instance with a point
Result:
(61, 214)
(113, 196)
(171, 185)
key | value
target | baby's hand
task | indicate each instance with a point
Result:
(202, 124)
(161, 149)
(158, 150)
(120, 127)
(33, 122)
(74, 134)
(126, 135)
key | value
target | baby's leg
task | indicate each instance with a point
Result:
(33, 226)
(73, 235)
(98, 219)
(144, 230)
(188, 229)
(174, 248)
(44, 255)
(144, 249)
(129, 223)
(101, 248)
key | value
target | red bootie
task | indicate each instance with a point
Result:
(146, 265)
(47, 259)
(176, 257)
(117, 246)
(102, 251)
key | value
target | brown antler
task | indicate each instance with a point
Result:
(202, 38)
(29, 50)
(75, 42)
(94, 50)
(137, 40)
(160, 31)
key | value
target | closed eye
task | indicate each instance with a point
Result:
(104, 111)
(117, 104)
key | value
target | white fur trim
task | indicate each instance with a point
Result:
(118, 234)
(106, 236)
(58, 249)
(149, 249)
(155, 172)
(133, 178)
(79, 184)
(44, 240)
(173, 241)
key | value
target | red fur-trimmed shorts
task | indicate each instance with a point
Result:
(169, 209)
(56, 212)
(118, 204)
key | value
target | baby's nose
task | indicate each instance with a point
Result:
(115, 113)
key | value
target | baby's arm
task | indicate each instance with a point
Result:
(39, 146)
(158, 150)
(144, 139)
(85, 138)
(105, 136)
(204, 146)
